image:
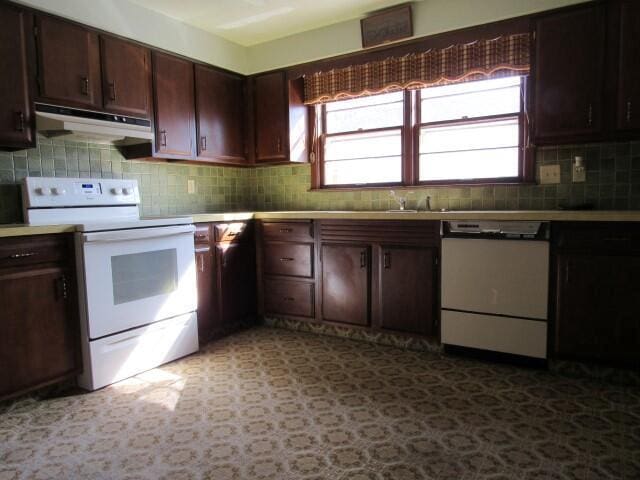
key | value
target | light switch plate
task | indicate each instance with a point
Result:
(191, 186)
(549, 174)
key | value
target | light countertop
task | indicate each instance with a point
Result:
(16, 230)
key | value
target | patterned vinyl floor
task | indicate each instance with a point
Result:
(275, 404)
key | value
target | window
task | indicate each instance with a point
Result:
(470, 131)
(363, 140)
(462, 133)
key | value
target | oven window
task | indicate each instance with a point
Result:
(142, 275)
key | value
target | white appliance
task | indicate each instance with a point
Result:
(137, 280)
(495, 281)
(87, 125)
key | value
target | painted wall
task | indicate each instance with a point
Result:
(429, 17)
(133, 21)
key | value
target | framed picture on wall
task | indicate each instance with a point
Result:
(386, 26)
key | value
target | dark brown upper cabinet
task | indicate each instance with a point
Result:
(569, 72)
(68, 64)
(628, 104)
(279, 119)
(219, 116)
(16, 107)
(174, 107)
(126, 77)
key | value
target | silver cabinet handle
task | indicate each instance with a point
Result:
(22, 255)
(590, 115)
(629, 111)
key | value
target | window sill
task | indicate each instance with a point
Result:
(490, 183)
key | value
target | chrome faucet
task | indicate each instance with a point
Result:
(402, 201)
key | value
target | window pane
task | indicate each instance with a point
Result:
(371, 157)
(363, 145)
(467, 165)
(472, 136)
(378, 111)
(369, 170)
(471, 99)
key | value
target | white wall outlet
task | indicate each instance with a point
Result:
(549, 174)
(191, 186)
(578, 172)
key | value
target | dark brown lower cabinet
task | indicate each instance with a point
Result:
(226, 275)
(345, 283)
(598, 315)
(206, 276)
(407, 289)
(38, 319)
(597, 311)
(236, 281)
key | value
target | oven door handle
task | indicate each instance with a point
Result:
(138, 234)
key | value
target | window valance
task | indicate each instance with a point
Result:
(483, 59)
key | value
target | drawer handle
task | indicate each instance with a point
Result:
(387, 260)
(287, 259)
(285, 230)
(290, 299)
(201, 235)
(231, 234)
(22, 255)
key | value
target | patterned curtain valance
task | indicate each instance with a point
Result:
(499, 57)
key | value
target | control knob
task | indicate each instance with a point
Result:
(58, 191)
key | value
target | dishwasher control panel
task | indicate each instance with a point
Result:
(496, 229)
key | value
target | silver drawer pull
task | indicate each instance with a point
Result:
(285, 230)
(22, 255)
(287, 259)
(289, 299)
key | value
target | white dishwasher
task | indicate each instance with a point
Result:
(495, 281)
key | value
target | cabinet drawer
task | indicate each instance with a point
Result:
(293, 259)
(601, 236)
(288, 231)
(229, 232)
(18, 251)
(288, 298)
(202, 235)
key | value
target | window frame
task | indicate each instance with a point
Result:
(323, 135)
(410, 152)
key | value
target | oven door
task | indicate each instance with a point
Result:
(136, 277)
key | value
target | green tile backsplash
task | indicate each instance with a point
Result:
(163, 185)
(613, 182)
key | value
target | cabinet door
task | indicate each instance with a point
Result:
(569, 67)
(598, 307)
(174, 106)
(345, 283)
(16, 109)
(38, 336)
(628, 71)
(408, 289)
(126, 77)
(236, 281)
(206, 277)
(271, 124)
(219, 119)
(69, 64)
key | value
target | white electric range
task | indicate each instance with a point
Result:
(136, 277)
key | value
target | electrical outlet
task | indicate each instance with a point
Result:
(550, 174)
(191, 186)
(578, 172)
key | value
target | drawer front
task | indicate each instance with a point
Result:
(288, 231)
(292, 259)
(601, 236)
(202, 235)
(31, 250)
(229, 232)
(288, 298)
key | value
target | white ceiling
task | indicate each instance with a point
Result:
(250, 22)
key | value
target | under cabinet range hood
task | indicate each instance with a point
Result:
(90, 126)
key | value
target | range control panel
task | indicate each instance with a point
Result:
(47, 192)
